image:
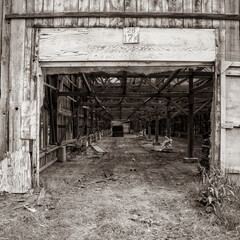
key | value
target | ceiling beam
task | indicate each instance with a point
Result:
(203, 86)
(134, 95)
(96, 99)
(161, 88)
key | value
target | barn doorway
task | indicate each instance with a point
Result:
(81, 103)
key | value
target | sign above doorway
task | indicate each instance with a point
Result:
(131, 35)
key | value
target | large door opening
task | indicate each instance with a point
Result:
(174, 101)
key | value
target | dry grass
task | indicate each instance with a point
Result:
(220, 196)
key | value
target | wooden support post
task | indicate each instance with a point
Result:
(149, 128)
(87, 123)
(156, 131)
(168, 118)
(61, 154)
(135, 126)
(78, 122)
(144, 127)
(190, 119)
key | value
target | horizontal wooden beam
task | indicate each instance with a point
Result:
(196, 74)
(134, 95)
(117, 105)
(162, 87)
(233, 17)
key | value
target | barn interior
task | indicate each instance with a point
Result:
(81, 105)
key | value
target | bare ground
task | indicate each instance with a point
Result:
(130, 192)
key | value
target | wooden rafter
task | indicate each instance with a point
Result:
(203, 86)
(203, 106)
(179, 107)
(161, 88)
(90, 91)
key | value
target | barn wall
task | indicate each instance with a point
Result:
(20, 75)
(229, 30)
(18, 102)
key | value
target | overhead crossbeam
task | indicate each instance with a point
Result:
(203, 86)
(151, 84)
(162, 87)
(96, 99)
(134, 95)
(203, 106)
(179, 107)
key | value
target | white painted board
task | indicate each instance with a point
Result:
(104, 44)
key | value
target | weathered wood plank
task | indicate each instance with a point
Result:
(1, 28)
(58, 7)
(16, 73)
(130, 6)
(83, 7)
(207, 8)
(4, 175)
(197, 8)
(94, 5)
(70, 6)
(116, 6)
(16, 177)
(19, 6)
(229, 116)
(48, 6)
(155, 6)
(165, 8)
(27, 64)
(2, 107)
(185, 45)
(38, 9)
(28, 120)
(4, 81)
(142, 6)
(232, 33)
(91, 14)
(175, 6)
(218, 7)
(188, 8)
(179, 9)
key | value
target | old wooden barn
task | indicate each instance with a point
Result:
(70, 68)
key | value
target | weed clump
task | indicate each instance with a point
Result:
(219, 195)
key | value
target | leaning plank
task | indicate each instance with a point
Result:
(98, 149)
(41, 197)
(48, 164)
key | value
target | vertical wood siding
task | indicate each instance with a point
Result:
(228, 30)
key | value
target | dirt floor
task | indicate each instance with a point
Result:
(130, 192)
